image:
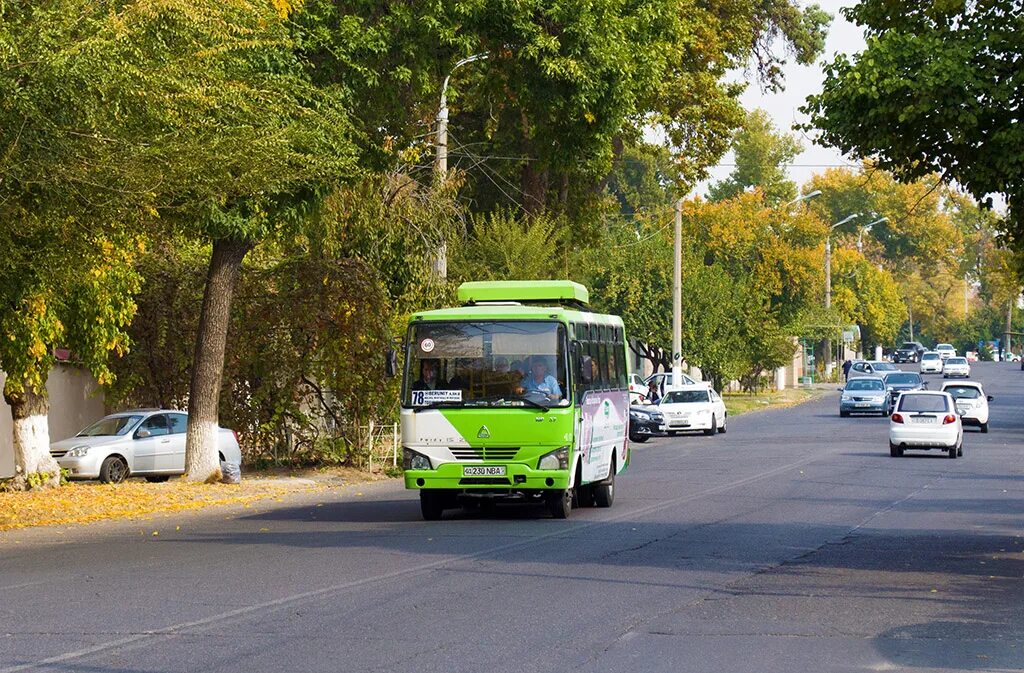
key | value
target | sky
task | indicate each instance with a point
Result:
(800, 82)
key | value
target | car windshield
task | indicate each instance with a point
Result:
(685, 397)
(963, 392)
(111, 426)
(956, 361)
(884, 367)
(910, 345)
(865, 384)
(930, 356)
(902, 378)
(923, 403)
(485, 363)
(944, 347)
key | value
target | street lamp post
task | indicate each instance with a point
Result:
(441, 156)
(866, 227)
(828, 281)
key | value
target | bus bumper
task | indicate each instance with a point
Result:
(518, 477)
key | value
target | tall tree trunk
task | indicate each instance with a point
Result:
(32, 440)
(201, 456)
(535, 188)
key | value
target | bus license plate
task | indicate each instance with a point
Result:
(483, 471)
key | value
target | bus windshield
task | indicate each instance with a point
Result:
(484, 363)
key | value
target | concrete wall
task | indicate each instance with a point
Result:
(75, 401)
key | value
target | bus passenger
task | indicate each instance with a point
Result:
(539, 381)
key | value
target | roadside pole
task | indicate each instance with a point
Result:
(677, 299)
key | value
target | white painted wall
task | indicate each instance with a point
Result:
(75, 401)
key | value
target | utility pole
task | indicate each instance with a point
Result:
(441, 156)
(828, 280)
(677, 298)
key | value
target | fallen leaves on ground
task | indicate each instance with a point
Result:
(83, 502)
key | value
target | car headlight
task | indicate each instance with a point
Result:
(846, 398)
(657, 416)
(639, 415)
(703, 412)
(77, 452)
(415, 461)
(556, 460)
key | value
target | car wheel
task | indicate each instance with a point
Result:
(722, 429)
(604, 492)
(953, 452)
(639, 439)
(560, 503)
(431, 505)
(984, 428)
(114, 470)
(672, 433)
(713, 430)
(960, 449)
(158, 479)
(894, 450)
(844, 414)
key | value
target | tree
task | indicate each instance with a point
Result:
(937, 91)
(214, 128)
(505, 246)
(762, 158)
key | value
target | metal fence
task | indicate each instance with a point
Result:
(382, 445)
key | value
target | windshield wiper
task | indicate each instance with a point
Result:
(433, 405)
(534, 403)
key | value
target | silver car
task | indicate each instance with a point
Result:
(864, 395)
(147, 443)
(870, 368)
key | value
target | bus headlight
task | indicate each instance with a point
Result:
(556, 460)
(415, 461)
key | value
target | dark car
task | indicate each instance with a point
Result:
(910, 351)
(645, 422)
(901, 382)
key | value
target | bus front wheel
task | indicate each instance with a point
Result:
(431, 505)
(560, 503)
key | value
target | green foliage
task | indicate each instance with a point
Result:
(936, 91)
(504, 246)
(762, 158)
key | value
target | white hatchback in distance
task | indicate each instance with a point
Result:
(146, 443)
(931, 363)
(926, 419)
(693, 407)
(945, 351)
(956, 366)
(971, 402)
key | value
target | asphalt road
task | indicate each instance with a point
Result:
(792, 543)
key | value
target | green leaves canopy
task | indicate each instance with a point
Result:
(938, 90)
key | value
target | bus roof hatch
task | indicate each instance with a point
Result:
(525, 291)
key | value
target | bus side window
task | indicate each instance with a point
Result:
(622, 353)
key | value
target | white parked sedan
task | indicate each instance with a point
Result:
(971, 402)
(694, 407)
(143, 442)
(926, 420)
(931, 363)
(956, 366)
(945, 351)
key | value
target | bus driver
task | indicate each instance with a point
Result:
(539, 381)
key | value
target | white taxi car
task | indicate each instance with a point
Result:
(926, 419)
(945, 351)
(931, 363)
(693, 407)
(956, 366)
(971, 402)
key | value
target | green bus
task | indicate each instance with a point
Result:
(521, 394)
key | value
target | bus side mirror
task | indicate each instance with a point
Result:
(391, 363)
(587, 369)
